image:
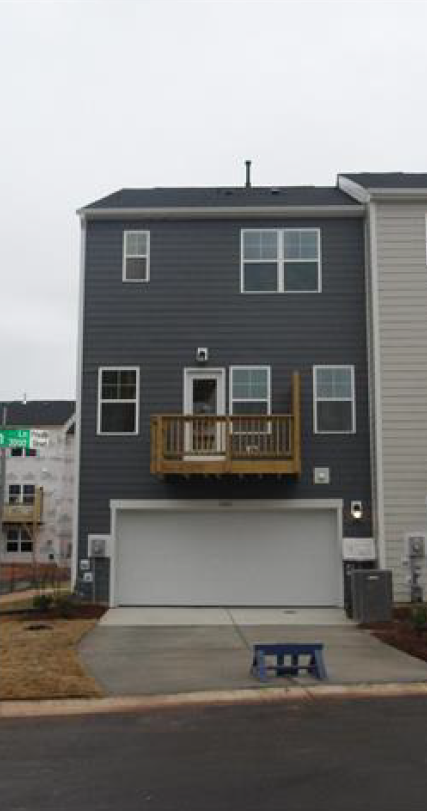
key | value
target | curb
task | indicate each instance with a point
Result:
(121, 704)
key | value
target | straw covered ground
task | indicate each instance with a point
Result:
(39, 659)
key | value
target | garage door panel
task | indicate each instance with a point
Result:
(226, 558)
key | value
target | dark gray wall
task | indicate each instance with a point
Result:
(193, 299)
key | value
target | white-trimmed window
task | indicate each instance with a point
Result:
(22, 493)
(23, 452)
(136, 256)
(250, 390)
(118, 400)
(334, 400)
(281, 260)
(18, 541)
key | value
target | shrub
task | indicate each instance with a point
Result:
(42, 602)
(65, 605)
(419, 618)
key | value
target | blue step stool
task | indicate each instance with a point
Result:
(315, 665)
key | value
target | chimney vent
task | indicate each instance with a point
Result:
(248, 174)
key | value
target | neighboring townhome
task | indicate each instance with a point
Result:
(223, 415)
(39, 486)
(396, 206)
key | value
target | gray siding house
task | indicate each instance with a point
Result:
(396, 206)
(223, 414)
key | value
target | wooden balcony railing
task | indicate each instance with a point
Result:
(23, 513)
(220, 444)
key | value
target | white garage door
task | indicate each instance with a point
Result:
(227, 558)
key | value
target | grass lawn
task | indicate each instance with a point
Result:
(43, 663)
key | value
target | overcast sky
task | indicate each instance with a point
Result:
(101, 94)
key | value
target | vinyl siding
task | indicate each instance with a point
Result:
(193, 299)
(402, 287)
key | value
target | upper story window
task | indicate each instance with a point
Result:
(136, 256)
(250, 390)
(281, 261)
(334, 400)
(22, 493)
(118, 400)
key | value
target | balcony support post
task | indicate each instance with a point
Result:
(296, 414)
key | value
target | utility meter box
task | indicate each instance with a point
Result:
(99, 546)
(415, 545)
(372, 595)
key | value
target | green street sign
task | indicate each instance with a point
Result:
(14, 439)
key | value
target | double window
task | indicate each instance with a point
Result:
(284, 260)
(118, 400)
(136, 256)
(18, 541)
(23, 452)
(334, 401)
(21, 493)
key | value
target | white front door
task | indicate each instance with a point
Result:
(204, 399)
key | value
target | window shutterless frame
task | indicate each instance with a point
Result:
(135, 400)
(145, 256)
(233, 399)
(281, 260)
(317, 399)
(244, 261)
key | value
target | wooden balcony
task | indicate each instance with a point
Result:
(20, 513)
(183, 444)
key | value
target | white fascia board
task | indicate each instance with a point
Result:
(220, 212)
(202, 505)
(365, 195)
(398, 195)
(353, 189)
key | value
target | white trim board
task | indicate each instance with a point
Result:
(221, 212)
(78, 413)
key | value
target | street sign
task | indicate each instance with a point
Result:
(14, 439)
(39, 438)
(23, 438)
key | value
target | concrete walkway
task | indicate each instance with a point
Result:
(161, 659)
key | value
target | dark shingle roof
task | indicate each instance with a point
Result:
(224, 197)
(39, 412)
(388, 180)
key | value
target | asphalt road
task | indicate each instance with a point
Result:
(323, 755)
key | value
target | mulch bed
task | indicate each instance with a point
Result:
(85, 611)
(401, 634)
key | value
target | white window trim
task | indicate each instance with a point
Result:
(102, 369)
(280, 262)
(243, 261)
(232, 399)
(335, 399)
(136, 256)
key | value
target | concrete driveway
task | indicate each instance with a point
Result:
(164, 651)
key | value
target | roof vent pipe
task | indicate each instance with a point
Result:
(248, 174)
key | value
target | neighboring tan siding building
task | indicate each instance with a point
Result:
(397, 306)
